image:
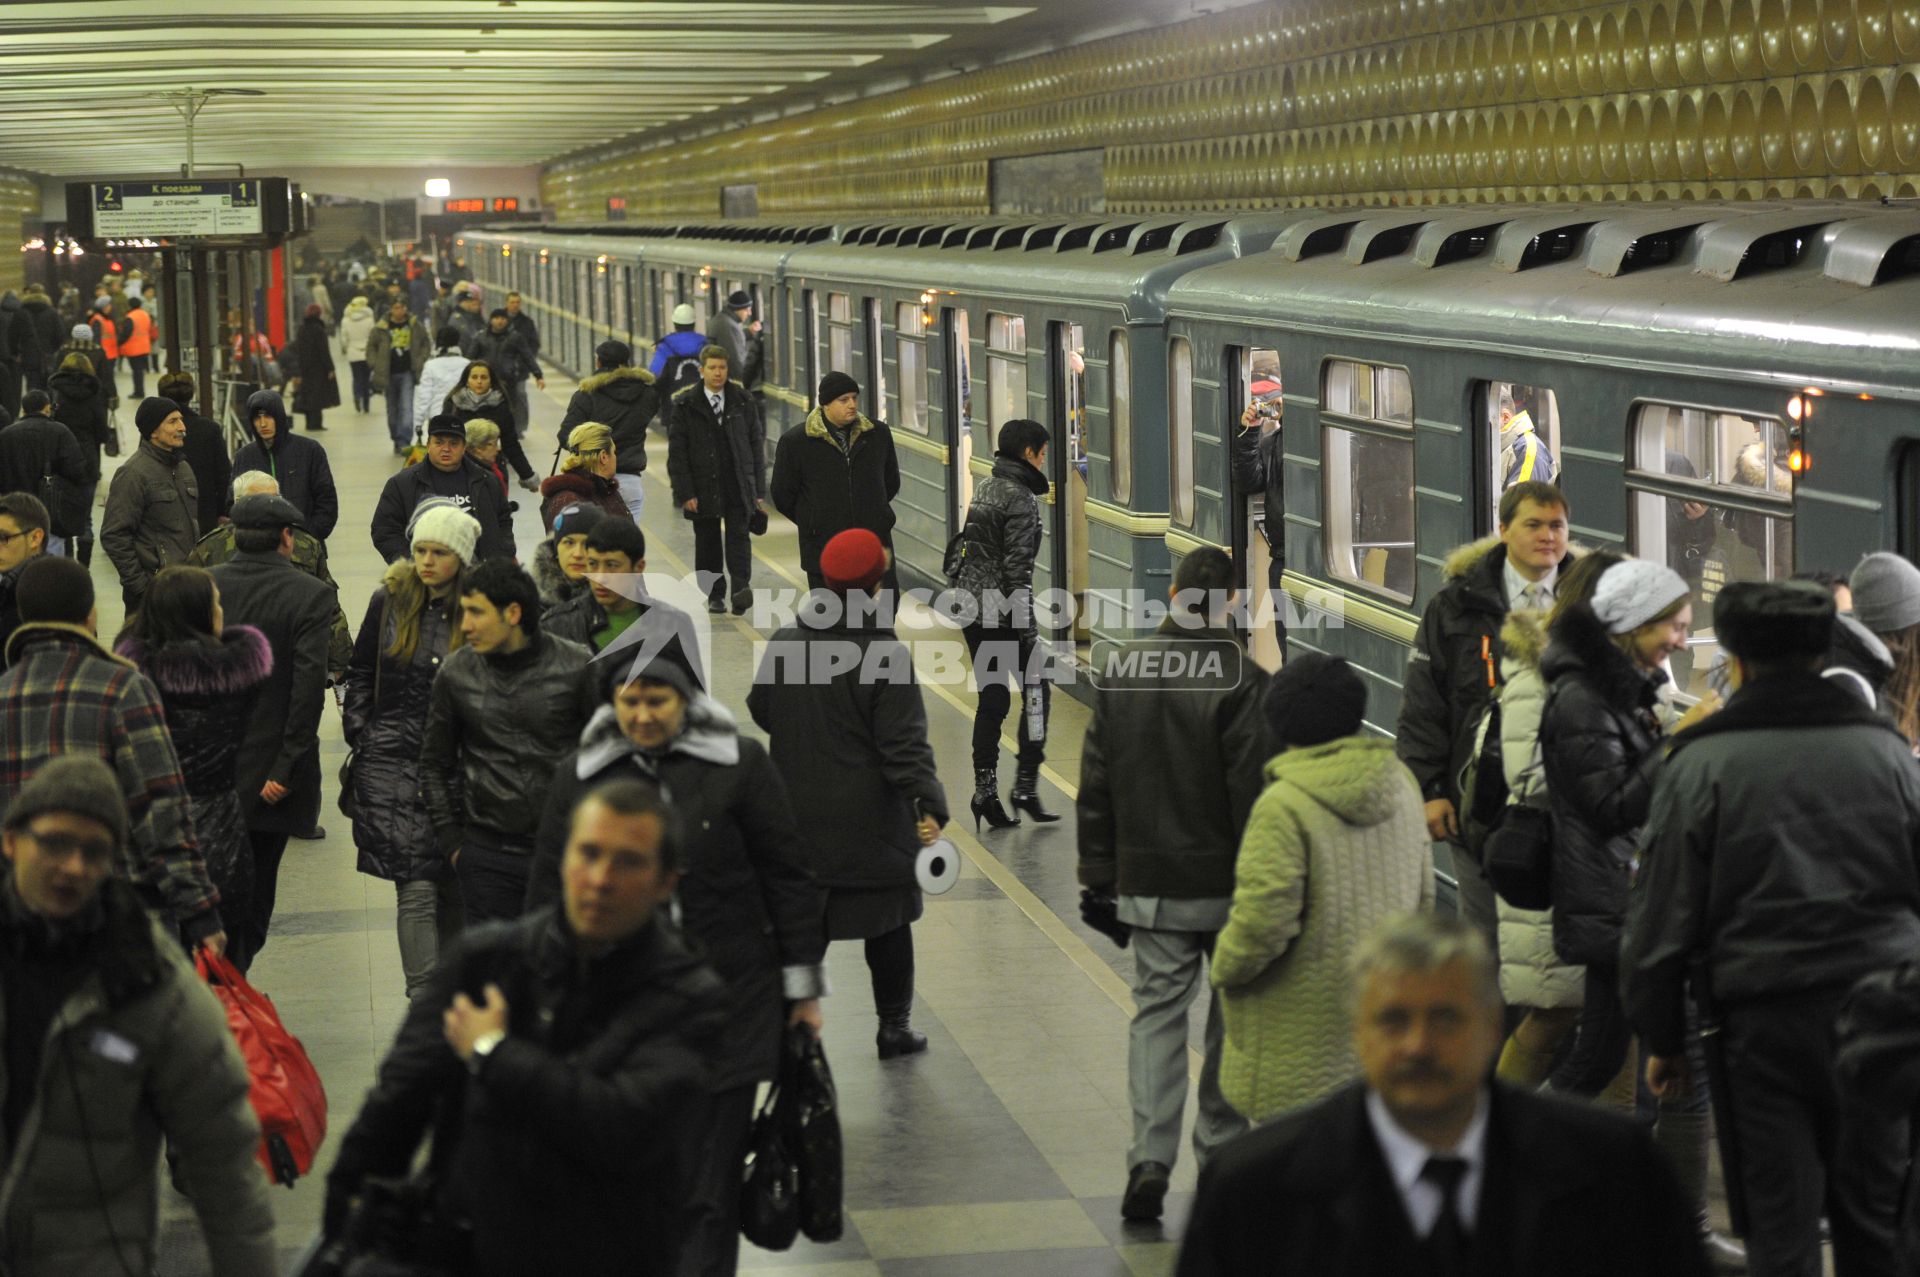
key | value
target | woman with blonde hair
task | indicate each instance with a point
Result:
(587, 475)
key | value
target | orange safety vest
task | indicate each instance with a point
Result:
(106, 331)
(140, 340)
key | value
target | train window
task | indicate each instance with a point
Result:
(876, 362)
(1522, 425)
(910, 354)
(810, 360)
(1120, 412)
(1368, 465)
(839, 333)
(1006, 370)
(1180, 437)
(1713, 499)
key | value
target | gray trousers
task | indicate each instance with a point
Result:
(1168, 971)
(1477, 905)
(429, 919)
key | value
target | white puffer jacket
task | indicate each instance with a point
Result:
(355, 326)
(1530, 973)
(438, 379)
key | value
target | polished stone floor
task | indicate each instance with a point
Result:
(1001, 1150)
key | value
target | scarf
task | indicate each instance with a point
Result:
(466, 401)
(709, 735)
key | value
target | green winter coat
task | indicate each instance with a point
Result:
(1336, 844)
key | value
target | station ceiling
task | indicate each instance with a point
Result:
(477, 82)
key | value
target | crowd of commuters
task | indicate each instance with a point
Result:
(612, 905)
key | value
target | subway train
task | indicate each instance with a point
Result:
(1732, 388)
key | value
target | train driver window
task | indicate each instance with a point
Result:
(839, 334)
(1713, 499)
(1006, 370)
(1522, 425)
(1367, 416)
(910, 356)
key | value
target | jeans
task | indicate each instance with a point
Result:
(994, 651)
(1167, 975)
(137, 365)
(517, 396)
(1604, 1037)
(362, 384)
(493, 883)
(430, 919)
(400, 407)
(633, 491)
(739, 553)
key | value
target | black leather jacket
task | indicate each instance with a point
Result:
(496, 728)
(1003, 533)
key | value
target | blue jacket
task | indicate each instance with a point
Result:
(684, 345)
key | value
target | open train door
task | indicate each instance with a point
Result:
(1258, 386)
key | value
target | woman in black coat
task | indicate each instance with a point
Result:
(209, 675)
(315, 386)
(746, 895)
(480, 395)
(81, 405)
(412, 622)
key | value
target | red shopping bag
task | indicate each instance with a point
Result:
(287, 1095)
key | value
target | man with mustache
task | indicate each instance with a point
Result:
(1429, 1166)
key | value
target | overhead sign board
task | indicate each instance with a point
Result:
(240, 210)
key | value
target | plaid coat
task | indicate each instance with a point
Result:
(65, 693)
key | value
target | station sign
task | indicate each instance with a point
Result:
(498, 204)
(238, 211)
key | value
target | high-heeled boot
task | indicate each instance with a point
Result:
(1683, 1138)
(1026, 794)
(896, 1036)
(986, 800)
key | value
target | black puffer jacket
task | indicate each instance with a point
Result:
(298, 462)
(622, 399)
(722, 465)
(79, 402)
(1600, 747)
(496, 728)
(49, 333)
(826, 491)
(852, 750)
(208, 693)
(35, 447)
(1003, 532)
(507, 353)
(568, 1150)
(746, 893)
(390, 828)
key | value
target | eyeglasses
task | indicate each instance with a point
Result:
(7, 538)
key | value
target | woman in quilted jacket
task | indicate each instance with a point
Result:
(1336, 844)
(209, 675)
(412, 623)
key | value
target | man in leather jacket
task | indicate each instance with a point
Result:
(505, 709)
(560, 1055)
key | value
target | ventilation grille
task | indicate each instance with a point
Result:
(1115, 238)
(1658, 249)
(1556, 245)
(1391, 243)
(1201, 237)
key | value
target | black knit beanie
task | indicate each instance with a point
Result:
(1315, 698)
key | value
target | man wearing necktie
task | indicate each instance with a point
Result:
(716, 461)
(1427, 1167)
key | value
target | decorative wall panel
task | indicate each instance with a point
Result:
(19, 212)
(1356, 102)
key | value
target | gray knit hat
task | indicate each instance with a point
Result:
(79, 785)
(1886, 593)
(1633, 592)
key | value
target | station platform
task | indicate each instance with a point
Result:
(1001, 1150)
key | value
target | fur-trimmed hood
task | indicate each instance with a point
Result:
(816, 427)
(612, 376)
(1463, 559)
(555, 588)
(242, 659)
(1579, 643)
(585, 485)
(1523, 639)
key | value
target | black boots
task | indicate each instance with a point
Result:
(986, 800)
(83, 550)
(896, 1035)
(1026, 794)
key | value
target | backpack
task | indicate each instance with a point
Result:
(680, 372)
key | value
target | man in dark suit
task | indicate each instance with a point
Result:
(279, 779)
(1430, 1167)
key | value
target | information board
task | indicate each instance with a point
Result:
(184, 209)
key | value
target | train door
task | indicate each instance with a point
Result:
(959, 413)
(1256, 381)
(1066, 348)
(1518, 440)
(876, 362)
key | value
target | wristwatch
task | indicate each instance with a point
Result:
(482, 1048)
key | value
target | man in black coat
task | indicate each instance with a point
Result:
(1455, 664)
(279, 778)
(49, 334)
(716, 459)
(299, 463)
(1778, 867)
(838, 471)
(624, 399)
(39, 455)
(206, 450)
(1428, 1166)
(561, 1056)
(446, 472)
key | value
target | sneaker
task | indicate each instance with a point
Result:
(1146, 1192)
(530, 483)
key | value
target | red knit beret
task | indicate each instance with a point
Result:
(853, 560)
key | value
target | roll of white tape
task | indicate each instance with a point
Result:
(938, 867)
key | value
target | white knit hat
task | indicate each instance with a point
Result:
(1631, 593)
(444, 523)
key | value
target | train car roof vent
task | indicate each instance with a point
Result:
(1657, 249)
(1011, 237)
(1392, 242)
(1318, 242)
(1199, 238)
(1042, 237)
(1456, 246)
(819, 233)
(1078, 237)
(983, 238)
(1154, 240)
(957, 237)
(930, 237)
(887, 236)
(1557, 245)
(1777, 251)
(1113, 237)
(1901, 262)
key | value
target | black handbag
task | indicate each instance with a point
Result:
(769, 1181)
(397, 1229)
(811, 1117)
(1518, 857)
